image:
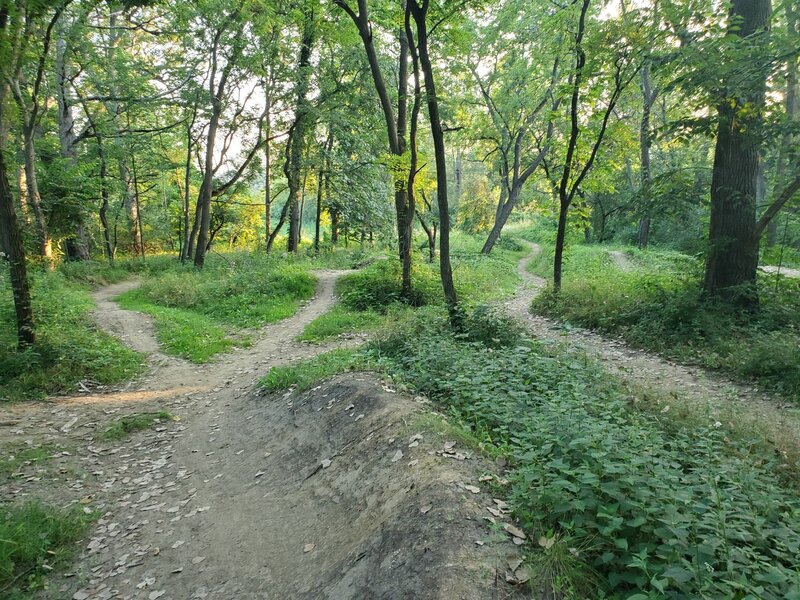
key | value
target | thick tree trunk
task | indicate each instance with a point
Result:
(561, 236)
(11, 245)
(732, 261)
(267, 165)
(334, 226)
(504, 208)
(203, 214)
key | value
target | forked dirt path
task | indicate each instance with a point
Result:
(655, 379)
(338, 493)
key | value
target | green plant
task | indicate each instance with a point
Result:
(34, 539)
(129, 424)
(69, 348)
(663, 509)
(305, 374)
(340, 320)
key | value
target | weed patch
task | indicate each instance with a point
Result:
(127, 425)
(305, 374)
(68, 349)
(35, 539)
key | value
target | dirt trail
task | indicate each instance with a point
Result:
(785, 271)
(334, 494)
(671, 385)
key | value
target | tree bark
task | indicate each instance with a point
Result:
(33, 197)
(420, 13)
(321, 174)
(649, 96)
(732, 261)
(297, 133)
(11, 245)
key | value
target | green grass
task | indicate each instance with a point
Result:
(199, 314)
(34, 539)
(69, 348)
(637, 504)
(340, 320)
(305, 374)
(183, 333)
(125, 426)
(658, 306)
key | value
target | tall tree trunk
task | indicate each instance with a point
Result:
(649, 96)
(107, 245)
(33, 197)
(11, 245)
(267, 163)
(421, 55)
(77, 246)
(504, 208)
(321, 175)
(297, 134)
(733, 253)
(792, 103)
(334, 226)
(137, 205)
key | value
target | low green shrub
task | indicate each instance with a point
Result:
(340, 320)
(305, 374)
(124, 426)
(633, 507)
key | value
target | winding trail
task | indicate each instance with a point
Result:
(671, 385)
(316, 496)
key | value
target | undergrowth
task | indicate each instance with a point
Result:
(125, 426)
(632, 504)
(68, 349)
(658, 306)
(35, 539)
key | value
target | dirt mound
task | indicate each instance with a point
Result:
(340, 493)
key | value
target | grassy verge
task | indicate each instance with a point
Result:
(68, 349)
(340, 320)
(35, 539)
(305, 374)
(657, 305)
(621, 502)
(125, 426)
(21, 457)
(200, 314)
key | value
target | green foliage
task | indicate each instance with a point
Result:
(635, 505)
(658, 305)
(68, 349)
(378, 287)
(340, 320)
(305, 374)
(249, 292)
(182, 332)
(33, 539)
(129, 424)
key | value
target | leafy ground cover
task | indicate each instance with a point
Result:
(35, 539)
(69, 348)
(620, 502)
(200, 314)
(656, 304)
(373, 296)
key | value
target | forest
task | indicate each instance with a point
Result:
(359, 299)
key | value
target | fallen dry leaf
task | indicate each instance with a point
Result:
(309, 548)
(397, 456)
(514, 531)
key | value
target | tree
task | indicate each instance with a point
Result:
(422, 62)
(11, 27)
(396, 126)
(733, 253)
